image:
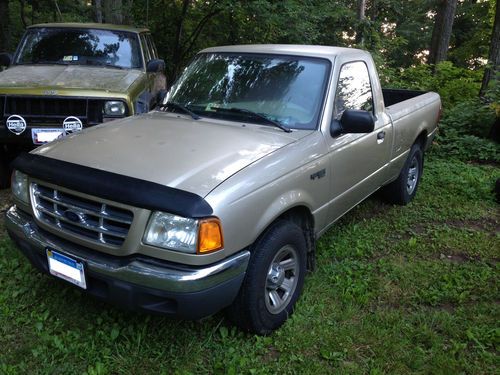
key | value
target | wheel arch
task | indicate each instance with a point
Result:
(422, 139)
(302, 216)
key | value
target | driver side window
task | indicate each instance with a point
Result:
(354, 89)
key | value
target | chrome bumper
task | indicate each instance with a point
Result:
(169, 278)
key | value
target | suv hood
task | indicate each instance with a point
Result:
(171, 150)
(68, 77)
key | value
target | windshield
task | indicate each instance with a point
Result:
(118, 49)
(288, 90)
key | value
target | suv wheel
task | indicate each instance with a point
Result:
(274, 280)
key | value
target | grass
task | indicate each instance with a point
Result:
(397, 290)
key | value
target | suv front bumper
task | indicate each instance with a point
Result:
(138, 282)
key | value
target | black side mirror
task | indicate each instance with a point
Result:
(353, 121)
(5, 59)
(155, 66)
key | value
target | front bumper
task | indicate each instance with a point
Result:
(138, 282)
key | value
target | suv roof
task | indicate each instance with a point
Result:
(103, 26)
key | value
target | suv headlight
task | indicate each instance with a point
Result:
(184, 234)
(114, 108)
(19, 186)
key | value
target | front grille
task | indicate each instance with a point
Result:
(41, 110)
(91, 219)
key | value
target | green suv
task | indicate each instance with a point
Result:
(65, 77)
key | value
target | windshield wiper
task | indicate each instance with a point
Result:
(253, 114)
(181, 108)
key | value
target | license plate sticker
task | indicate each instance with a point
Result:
(41, 136)
(66, 268)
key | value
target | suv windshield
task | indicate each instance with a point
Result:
(118, 49)
(285, 89)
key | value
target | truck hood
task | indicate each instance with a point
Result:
(68, 77)
(171, 150)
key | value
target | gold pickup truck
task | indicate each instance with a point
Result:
(65, 77)
(217, 198)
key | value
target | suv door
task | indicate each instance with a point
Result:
(357, 161)
(157, 80)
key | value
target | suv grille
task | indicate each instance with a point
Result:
(40, 110)
(96, 221)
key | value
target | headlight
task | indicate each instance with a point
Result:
(114, 108)
(19, 186)
(183, 234)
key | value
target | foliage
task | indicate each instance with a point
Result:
(454, 84)
(399, 31)
(467, 148)
(396, 290)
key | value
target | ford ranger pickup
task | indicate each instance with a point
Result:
(216, 199)
(69, 76)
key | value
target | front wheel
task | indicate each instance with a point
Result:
(274, 280)
(403, 189)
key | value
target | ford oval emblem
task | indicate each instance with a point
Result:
(72, 124)
(75, 216)
(16, 124)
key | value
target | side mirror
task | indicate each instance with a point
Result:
(353, 121)
(155, 66)
(5, 59)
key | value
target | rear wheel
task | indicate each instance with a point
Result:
(403, 189)
(274, 280)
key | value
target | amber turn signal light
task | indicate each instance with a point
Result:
(210, 236)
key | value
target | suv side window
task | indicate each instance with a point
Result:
(145, 47)
(152, 48)
(354, 90)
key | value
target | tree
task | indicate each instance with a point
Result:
(492, 70)
(361, 21)
(441, 33)
(112, 11)
(4, 25)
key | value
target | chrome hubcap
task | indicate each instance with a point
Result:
(411, 182)
(282, 278)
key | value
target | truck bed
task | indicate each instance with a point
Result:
(394, 96)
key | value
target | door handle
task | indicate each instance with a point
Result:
(380, 137)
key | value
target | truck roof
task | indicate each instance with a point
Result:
(290, 49)
(103, 26)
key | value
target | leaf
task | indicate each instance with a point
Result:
(115, 332)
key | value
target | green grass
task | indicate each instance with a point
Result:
(397, 290)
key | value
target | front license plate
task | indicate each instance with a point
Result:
(66, 268)
(41, 136)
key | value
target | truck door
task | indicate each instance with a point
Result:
(357, 161)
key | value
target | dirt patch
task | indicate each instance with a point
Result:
(272, 354)
(458, 258)
(485, 224)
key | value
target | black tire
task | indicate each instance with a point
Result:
(398, 191)
(253, 309)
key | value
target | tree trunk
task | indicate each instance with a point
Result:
(441, 33)
(361, 20)
(373, 13)
(97, 11)
(492, 69)
(4, 25)
(177, 50)
(113, 11)
(23, 14)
